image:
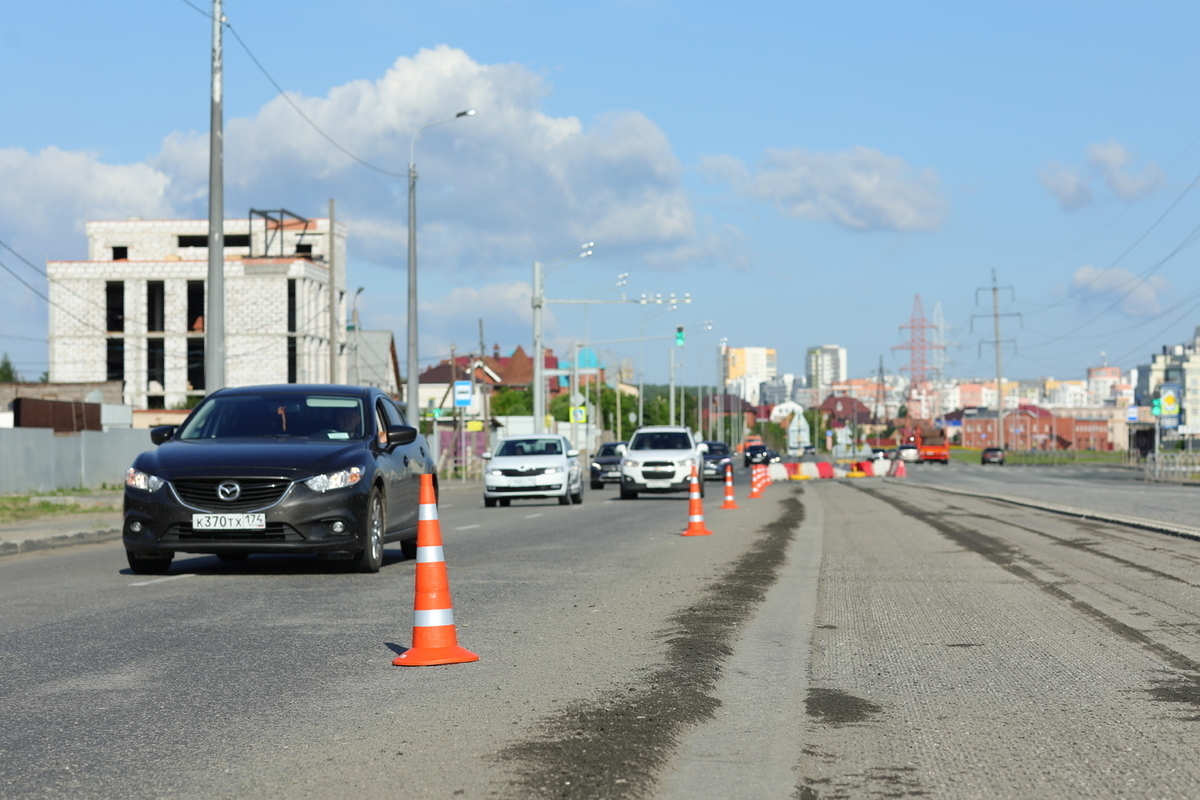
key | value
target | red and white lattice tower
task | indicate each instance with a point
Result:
(921, 400)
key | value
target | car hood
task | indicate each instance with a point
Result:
(527, 462)
(288, 458)
(660, 455)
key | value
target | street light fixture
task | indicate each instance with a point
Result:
(412, 392)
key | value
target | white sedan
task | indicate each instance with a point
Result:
(532, 468)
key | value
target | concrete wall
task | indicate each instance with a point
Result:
(35, 460)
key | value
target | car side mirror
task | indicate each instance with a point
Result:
(485, 456)
(572, 454)
(162, 433)
(621, 449)
(401, 434)
(702, 448)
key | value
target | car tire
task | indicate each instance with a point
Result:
(489, 502)
(233, 556)
(565, 499)
(409, 548)
(148, 565)
(504, 501)
(626, 494)
(370, 558)
(597, 485)
(577, 498)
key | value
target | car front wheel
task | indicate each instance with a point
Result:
(370, 558)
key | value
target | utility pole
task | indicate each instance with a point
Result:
(996, 315)
(214, 322)
(334, 322)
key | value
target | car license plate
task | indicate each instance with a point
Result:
(522, 482)
(658, 484)
(226, 522)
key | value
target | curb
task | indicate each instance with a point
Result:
(1171, 529)
(17, 546)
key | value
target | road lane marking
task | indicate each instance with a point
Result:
(531, 516)
(163, 580)
(466, 527)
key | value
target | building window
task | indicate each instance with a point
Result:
(120, 253)
(195, 364)
(291, 357)
(116, 360)
(156, 363)
(193, 241)
(237, 240)
(156, 401)
(156, 305)
(114, 306)
(291, 326)
(195, 306)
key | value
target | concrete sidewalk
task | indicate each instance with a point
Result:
(104, 524)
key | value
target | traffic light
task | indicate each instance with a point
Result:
(1156, 406)
(679, 335)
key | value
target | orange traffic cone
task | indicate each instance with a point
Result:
(695, 511)
(434, 640)
(756, 482)
(729, 501)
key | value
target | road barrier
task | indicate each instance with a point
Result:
(695, 510)
(756, 484)
(434, 639)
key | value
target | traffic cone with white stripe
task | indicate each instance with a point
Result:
(729, 501)
(434, 640)
(695, 511)
(756, 484)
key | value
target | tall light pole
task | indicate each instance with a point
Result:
(357, 338)
(538, 301)
(214, 316)
(412, 392)
(672, 304)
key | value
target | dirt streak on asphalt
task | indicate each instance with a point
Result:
(615, 746)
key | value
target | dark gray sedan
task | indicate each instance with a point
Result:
(330, 470)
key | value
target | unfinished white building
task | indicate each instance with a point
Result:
(134, 310)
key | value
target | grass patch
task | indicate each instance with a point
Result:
(19, 507)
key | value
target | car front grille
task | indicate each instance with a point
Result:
(274, 532)
(551, 487)
(522, 473)
(256, 493)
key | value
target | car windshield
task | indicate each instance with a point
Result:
(609, 449)
(718, 449)
(276, 416)
(661, 440)
(530, 447)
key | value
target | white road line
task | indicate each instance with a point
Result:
(163, 580)
(466, 527)
(531, 516)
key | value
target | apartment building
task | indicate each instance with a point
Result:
(826, 366)
(134, 310)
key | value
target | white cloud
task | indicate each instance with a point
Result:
(1133, 296)
(1067, 185)
(1108, 163)
(859, 188)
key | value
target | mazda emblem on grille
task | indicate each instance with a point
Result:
(229, 491)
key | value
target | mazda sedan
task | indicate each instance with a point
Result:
(330, 470)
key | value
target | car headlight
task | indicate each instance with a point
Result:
(687, 462)
(335, 480)
(552, 470)
(724, 461)
(629, 462)
(496, 472)
(596, 465)
(137, 479)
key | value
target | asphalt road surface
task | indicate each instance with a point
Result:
(857, 638)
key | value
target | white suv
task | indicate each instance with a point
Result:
(660, 458)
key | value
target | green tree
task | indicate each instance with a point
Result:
(7, 373)
(511, 403)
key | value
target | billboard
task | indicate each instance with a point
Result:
(1171, 395)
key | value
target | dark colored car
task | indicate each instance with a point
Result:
(331, 470)
(606, 466)
(756, 454)
(991, 455)
(716, 459)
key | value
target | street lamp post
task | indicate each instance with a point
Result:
(672, 304)
(538, 301)
(412, 392)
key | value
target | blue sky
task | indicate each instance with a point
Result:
(802, 170)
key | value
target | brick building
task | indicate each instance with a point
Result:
(1031, 427)
(134, 310)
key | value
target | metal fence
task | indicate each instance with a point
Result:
(36, 460)
(1173, 467)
